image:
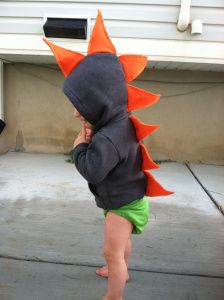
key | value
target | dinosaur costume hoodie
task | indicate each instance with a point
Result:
(115, 163)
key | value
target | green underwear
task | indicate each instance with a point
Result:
(136, 212)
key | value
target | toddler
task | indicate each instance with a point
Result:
(108, 151)
(119, 224)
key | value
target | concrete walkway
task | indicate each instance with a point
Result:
(51, 234)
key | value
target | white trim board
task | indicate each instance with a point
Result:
(156, 50)
(184, 50)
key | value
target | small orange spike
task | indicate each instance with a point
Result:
(99, 40)
(154, 188)
(147, 162)
(142, 129)
(132, 65)
(66, 59)
(138, 98)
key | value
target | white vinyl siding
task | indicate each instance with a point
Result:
(132, 19)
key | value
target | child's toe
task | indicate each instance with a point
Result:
(102, 272)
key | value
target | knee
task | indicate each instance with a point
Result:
(108, 253)
(112, 256)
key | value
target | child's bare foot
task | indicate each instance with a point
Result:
(104, 272)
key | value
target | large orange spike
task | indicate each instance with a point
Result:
(99, 40)
(154, 188)
(132, 65)
(142, 129)
(66, 59)
(138, 98)
(147, 162)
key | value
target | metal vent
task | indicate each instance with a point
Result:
(66, 28)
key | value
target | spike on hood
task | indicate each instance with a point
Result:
(98, 90)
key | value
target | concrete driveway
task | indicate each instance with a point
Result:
(51, 234)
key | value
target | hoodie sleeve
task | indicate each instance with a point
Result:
(95, 160)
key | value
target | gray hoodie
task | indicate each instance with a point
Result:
(111, 163)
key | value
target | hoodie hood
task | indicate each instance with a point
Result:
(97, 88)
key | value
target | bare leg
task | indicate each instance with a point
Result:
(104, 270)
(117, 231)
(127, 252)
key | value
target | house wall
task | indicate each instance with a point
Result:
(39, 118)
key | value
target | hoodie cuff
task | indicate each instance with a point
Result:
(79, 148)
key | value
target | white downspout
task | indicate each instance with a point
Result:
(184, 15)
(2, 123)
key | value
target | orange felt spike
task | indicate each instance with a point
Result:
(147, 162)
(138, 98)
(66, 59)
(142, 129)
(154, 188)
(99, 40)
(133, 65)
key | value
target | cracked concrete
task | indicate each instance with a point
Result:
(52, 235)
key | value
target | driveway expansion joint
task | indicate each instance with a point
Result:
(220, 208)
(36, 259)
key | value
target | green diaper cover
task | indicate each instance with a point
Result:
(136, 212)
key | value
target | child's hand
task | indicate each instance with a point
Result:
(84, 136)
(88, 134)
